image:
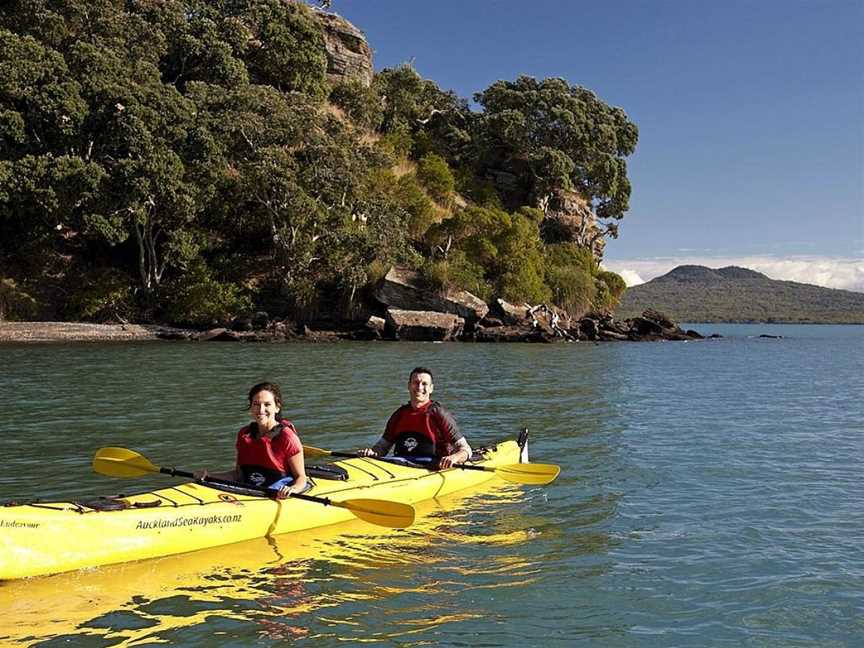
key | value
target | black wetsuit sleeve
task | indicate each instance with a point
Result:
(446, 423)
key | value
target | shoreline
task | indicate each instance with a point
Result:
(59, 332)
(83, 332)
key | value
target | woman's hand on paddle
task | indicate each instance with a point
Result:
(367, 452)
(287, 491)
(200, 475)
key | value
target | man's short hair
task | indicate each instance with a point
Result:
(419, 370)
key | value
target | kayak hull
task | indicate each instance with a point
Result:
(42, 538)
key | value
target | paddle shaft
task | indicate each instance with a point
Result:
(349, 455)
(470, 467)
(122, 462)
(355, 455)
(326, 501)
(527, 473)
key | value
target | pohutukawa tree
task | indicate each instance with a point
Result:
(563, 135)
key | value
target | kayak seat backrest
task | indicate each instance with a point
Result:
(336, 473)
(113, 503)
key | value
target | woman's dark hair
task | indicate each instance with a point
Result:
(273, 388)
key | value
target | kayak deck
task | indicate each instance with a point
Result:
(46, 538)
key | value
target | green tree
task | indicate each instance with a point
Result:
(554, 135)
(106, 296)
(135, 127)
(286, 50)
(458, 271)
(522, 267)
(435, 121)
(100, 153)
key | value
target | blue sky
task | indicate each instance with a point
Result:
(751, 114)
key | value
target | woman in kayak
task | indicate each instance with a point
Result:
(269, 452)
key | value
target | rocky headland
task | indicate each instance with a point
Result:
(406, 311)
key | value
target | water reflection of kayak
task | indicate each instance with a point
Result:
(134, 601)
(40, 538)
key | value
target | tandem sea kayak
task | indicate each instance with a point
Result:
(274, 580)
(41, 538)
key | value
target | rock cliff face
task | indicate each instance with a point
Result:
(568, 218)
(348, 54)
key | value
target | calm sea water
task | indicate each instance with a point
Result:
(711, 494)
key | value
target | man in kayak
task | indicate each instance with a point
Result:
(269, 452)
(422, 428)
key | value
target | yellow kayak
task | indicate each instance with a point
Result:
(220, 579)
(43, 538)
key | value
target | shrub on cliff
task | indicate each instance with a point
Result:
(506, 246)
(411, 197)
(362, 104)
(615, 287)
(436, 177)
(577, 282)
(573, 289)
(457, 271)
(570, 254)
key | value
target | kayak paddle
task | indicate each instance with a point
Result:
(519, 473)
(122, 462)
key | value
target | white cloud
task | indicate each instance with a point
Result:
(831, 272)
(631, 278)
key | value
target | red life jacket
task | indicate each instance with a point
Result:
(264, 459)
(417, 432)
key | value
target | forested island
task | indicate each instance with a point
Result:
(214, 163)
(692, 293)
